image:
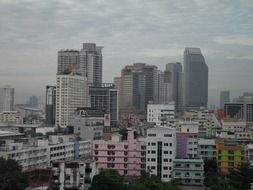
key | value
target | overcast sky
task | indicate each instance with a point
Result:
(155, 32)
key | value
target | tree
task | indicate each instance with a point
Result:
(11, 176)
(108, 180)
(241, 179)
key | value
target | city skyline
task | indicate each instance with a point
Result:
(144, 31)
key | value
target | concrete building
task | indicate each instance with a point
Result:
(68, 61)
(50, 105)
(11, 117)
(41, 153)
(160, 152)
(174, 70)
(73, 174)
(104, 97)
(125, 156)
(207, 149)
(189, 171)
(164, 87)
(87, 123)
(138, 86)
(224, 97)
(239, 111)
(196, 78)
(91, 62)
(160, 113)
(6, 98)
(187, 140)
(71, 93)
(229, 156)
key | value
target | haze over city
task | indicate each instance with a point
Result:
(155, 32)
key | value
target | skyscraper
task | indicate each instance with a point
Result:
(196, 78)
(6, 98)
(224, 97)
(68, 60)
(91, 62)
(174, 71)
(87, 62)
(137, 86)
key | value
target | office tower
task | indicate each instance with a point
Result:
(68, 61)
(6, 98)
(175, 75)
(137, 86)
(71, 93)
(161, 152)
(196, 78)
(50, 105)
(91, 62)
(105, 98)
(224, 97)
(239, 111)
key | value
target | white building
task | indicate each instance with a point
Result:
(6, 98)
(160, 152)
(207, 149)
(12, 117)
(234, 126)
(73, 174)
(71, 93)
(88, 124)
(41, 153)
(159, 113)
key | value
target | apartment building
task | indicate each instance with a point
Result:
(160, 152)
(160, 113)
(189, 171)
(229, 156)
(11, 117)
(125, 156)
(207, 149)
(73, 174)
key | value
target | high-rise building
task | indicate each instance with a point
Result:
(174, 71)
(196, 78)
(71, 92)
(50, 105)
(137, 86)
(6, 98)
(33, 102)
(68, 61)
(164, 87)
(87, 62)
(91, 62)
(224, 97)
(105, 98)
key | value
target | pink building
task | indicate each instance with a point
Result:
(128, 157)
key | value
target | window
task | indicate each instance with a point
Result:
(153, 144)
(165, 176)
(125, 146)
(152, 167)
(166, 144)
(165, 160)
(125, 172)
(152, 159)
(166, 152)
(165, 168)
(152, 135)
(153, 151)
(167, 135)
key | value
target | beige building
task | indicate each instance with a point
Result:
(11, 117)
